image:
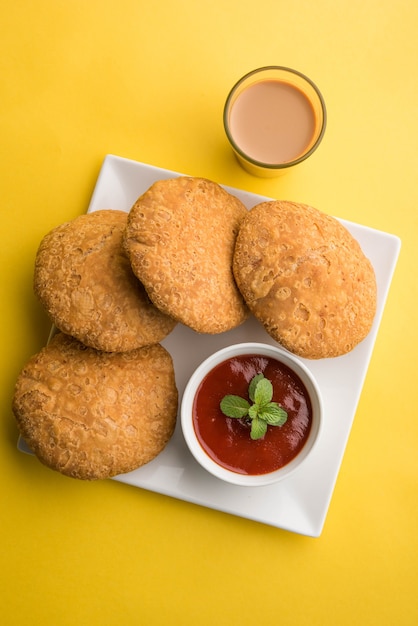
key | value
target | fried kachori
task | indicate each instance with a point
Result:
(180, 238)
(85, 282)
(92, 414)
(305, 278)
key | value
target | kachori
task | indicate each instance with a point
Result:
(91, 414)
(305, 278)
(85, 282)
(180, 239)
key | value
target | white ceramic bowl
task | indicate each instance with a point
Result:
(187, 413)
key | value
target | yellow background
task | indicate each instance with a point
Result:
(147, 80)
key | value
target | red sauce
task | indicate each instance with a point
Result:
(227, 440)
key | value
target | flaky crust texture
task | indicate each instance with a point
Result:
(92, 415)
(180, 239)
(85, 282)
(305, 278)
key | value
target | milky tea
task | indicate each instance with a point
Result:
(273, 122)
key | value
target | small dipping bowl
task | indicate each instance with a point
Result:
(274, 118)
(195, 386)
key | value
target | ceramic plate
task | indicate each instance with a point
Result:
(300, 503)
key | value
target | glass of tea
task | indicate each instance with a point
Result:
(274, 118)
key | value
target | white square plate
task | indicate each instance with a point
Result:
(300, 503)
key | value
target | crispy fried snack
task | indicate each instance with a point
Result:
(180, 239)
(85, 282)
(305, 278)
(92, 415)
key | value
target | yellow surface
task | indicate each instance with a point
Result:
(80, 79)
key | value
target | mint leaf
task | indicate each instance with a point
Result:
(263, 392)
(261, 413)
(253, 411)
(273, 414)
(253, 385)
(258, 428)
(234, 406)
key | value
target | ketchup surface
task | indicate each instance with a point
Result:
(227, 440)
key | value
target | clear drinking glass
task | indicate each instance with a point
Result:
(274, 118)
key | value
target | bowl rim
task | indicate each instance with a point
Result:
(287, 358)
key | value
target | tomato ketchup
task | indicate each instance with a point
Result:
(227, 440)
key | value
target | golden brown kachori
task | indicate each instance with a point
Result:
(91, 414)
(306, 278)
(180, 239)
(84, 280)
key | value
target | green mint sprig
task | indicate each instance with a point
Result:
(262, 412)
